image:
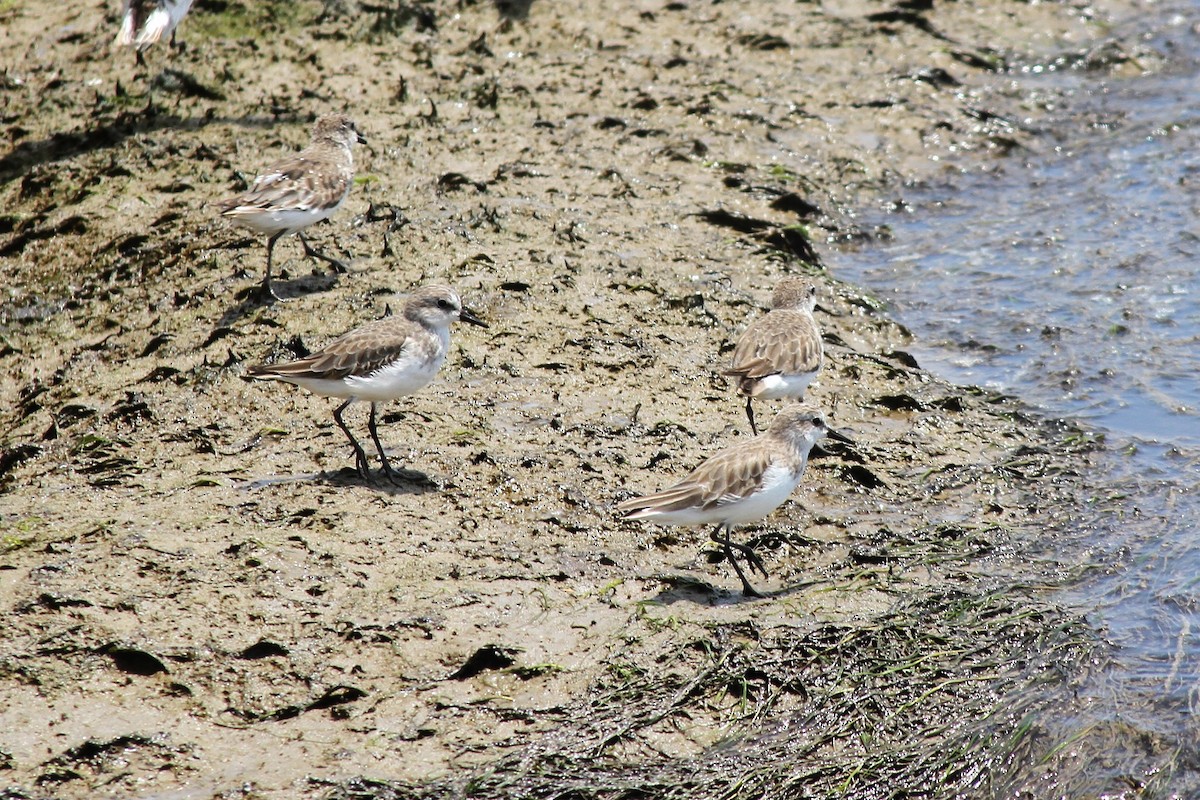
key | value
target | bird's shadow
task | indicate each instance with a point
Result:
(407, 481)
(250, 300)
(680, 588)
(516, 10)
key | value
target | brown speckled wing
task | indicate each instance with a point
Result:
(726, 477)
(733, 474)
(783, 341)
(314, 179)
(359, 352)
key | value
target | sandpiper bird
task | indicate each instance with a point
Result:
(382, 360)
(742, 483)
(300, 190)
(146, 22)
(780, 354)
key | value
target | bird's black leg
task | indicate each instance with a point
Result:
(750, 414)
(360, 456)
(751, 558)
(387, 467)
(150, 111)
(311, 252)
(265, 292)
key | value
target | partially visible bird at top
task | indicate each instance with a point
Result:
(145, 22)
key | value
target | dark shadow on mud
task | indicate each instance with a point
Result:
(690, 589)
(407, 482)
(103, 135)
(514, 9)
(250, 298)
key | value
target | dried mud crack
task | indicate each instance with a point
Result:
(200, 596)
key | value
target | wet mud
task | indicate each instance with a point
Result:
(201, 598)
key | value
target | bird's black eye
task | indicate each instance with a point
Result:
(818, 422)
(445, 305)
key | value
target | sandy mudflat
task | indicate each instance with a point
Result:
(201, 599)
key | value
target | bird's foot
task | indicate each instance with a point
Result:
(263, 294)
(361, 466)
(338, 265)
(746, 552)
(750, 591)
(394, 478)
(756, 564)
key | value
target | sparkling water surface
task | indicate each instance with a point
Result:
(1070, 278)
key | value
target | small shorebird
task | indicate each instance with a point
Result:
(780, 353)
(382, 360)
(300, 190)
(146, 22)
(742, 483)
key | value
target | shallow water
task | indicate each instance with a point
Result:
(1070, 277)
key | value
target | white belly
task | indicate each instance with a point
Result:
(159, 24)
(398, 379)
(276, 220)
(783, 386)
(778, 483)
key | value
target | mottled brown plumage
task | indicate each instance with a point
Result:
(362, 352)
(382, 360)
(728, 476)
(740, 484)
(300, 190)
(780, 353)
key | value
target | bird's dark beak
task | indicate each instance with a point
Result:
(361, 139)
(838, 437)
(467, 316)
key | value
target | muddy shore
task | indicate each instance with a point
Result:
(202, 599)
